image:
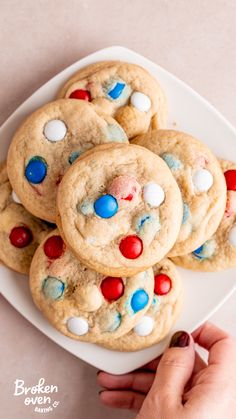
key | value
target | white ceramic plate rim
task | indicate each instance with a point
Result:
(15, 288)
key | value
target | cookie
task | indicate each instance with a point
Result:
(219, 252)
(82, 303)
(200, 179)
(46, 145)
(119, 209)
(124, 90)
(20, 232)
(166, 306)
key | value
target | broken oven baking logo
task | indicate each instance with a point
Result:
(41, 397)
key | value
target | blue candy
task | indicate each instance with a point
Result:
(142, 220)
(36, 170)
(198, 252)
(139, 300)
(116, 91)
(155, 303)
(186, 213)
(74, 156)
(53, 288)
(205, 251)
(86, 208)
(116, 321)
(106, 206)
(172, 162)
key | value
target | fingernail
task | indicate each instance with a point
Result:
(180, 339)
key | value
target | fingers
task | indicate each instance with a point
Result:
(199, 364)
(138, 380)
(152, 365)
(220, 345)
(174, 370)
(122, 399)
(208, 334)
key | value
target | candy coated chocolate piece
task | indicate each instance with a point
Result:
(106, 206)
(162, 284)
(53, 288)
(230, 178)
(144, 326)
(139, 300)
(81, 94)
(202, 180)
(140, 101)
(55, 130)
(153, 194)
(206, 250)
(73, 156)
(172, 162)
(77, 325)
(15, 198)
(124, 187)
(54, 247)
(110, 321)
(20, 236)
(112, 288)
(36, 170)
(186, 213)
(131, 247)
(117, 90)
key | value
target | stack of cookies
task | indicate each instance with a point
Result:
(99, 202)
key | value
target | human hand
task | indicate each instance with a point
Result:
(184, 386)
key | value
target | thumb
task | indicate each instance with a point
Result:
(174, 370)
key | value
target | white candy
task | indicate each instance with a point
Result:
(15, 197)
(202, 180)
(153, 194)
(145, 326)
(77, 325)
(55, 130)
(140, 101)
(232, 236)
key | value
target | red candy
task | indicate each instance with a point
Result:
(131, 247)
(54, 247)
(129, 197)
(230, 177)
(81, 94)
(112, 288)
(162, 284)
(124, 187)
(20, 236)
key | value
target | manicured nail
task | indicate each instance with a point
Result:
(180, 339)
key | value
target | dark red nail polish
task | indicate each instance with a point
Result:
(180, 340)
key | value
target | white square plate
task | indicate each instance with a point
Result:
(204, 292)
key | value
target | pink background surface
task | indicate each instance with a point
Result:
(193, 39)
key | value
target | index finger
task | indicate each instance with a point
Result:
(221, 346)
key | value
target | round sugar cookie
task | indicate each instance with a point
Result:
(82, 303)
(219, 251)
(157, 322)
(46, 145)
(126, 91)
(200, 179)
(119, 209)
(20, 232)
